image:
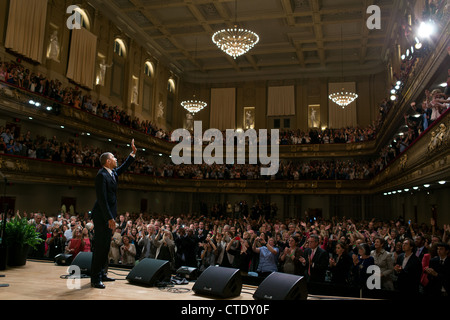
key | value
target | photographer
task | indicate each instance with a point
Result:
(224, 258)
(209, 253)
(56, 243)
(240, 248)
(165, 247)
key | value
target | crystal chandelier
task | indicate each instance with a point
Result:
(193, 106)
(343, 98)
(235, 41)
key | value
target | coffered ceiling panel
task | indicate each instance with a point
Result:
(297, 37)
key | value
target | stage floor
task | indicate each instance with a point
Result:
(43, 280)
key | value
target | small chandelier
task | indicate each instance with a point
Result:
(193, 106)
(343, 98)
(235, 42)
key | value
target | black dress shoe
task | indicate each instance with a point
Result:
(98, 285)
(107, 279)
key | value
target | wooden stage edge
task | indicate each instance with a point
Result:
(44, 280)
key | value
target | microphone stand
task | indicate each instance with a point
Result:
(3, 248)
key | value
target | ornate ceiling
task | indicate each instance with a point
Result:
(298, 38)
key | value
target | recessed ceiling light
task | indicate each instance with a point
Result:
(442, 182)
(426, 185)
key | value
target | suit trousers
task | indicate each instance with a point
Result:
(102, 244)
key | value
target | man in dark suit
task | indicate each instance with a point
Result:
(409, 270)
(421, 250)
(439, 273)
(104, 213)
(315, 260)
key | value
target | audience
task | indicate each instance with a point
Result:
(336, 250)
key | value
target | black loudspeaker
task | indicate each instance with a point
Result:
(63, 259)
(150, 272)
(189, 273)
(282, 286)
(83, 260)
(219, 282)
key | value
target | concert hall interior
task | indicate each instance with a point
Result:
(275, 138)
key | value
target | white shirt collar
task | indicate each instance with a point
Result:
(109, 170)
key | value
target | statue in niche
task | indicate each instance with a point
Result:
(313, 117)
(54, 48)
(189, 122)
(160, 113)
(134, 94)
(249, 120)
(102, 72)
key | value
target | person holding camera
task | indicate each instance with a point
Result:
(165, 247)
(56, 243)
(209, 253)
(241, 249)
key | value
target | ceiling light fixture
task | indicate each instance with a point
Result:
(344, 97)
(193, 106)
(235, 41)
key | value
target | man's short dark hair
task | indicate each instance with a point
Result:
(315, 237)
(444, 245)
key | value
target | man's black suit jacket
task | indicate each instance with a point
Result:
(319, 264)
(105, 207)
(435, 284)
(409, 277)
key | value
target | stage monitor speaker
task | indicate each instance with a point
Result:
(189, 273)
(282, 286)
(150, 272)
(83, 260)
(63, 259)
(219, 282)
